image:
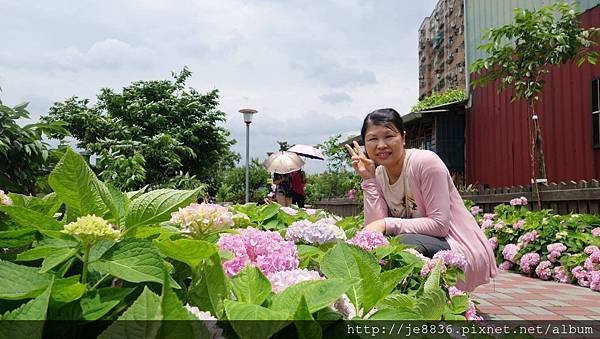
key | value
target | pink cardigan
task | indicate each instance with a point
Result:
(439, 212)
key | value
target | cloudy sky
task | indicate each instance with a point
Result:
(311, 68)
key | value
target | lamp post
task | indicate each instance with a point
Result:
(248, 113)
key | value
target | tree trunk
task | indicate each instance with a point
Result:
(532, 154)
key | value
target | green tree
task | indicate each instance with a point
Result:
(232, 187)
(151, 133)
(520, 54)
(283, 145)
(24, 157)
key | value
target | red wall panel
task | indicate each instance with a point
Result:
(496, 135)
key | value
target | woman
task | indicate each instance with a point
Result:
(410, 192)
(283, 194)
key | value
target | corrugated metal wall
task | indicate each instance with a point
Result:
(481, 15)
(497, 146)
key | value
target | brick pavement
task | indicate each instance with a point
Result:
(512, 296)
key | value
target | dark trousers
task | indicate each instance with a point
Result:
(298, 199)
(425, 244)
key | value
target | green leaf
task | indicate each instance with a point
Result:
(251, 286)
(29, 318)
(390, 279)
(304, 322)
(210, 287)
(189, 251)
(144, 310)
(30, 219)
(67, 289)
(254, 329)
(34, 309)
(396, 314)
(171, 306)
(132, 260)
(318, 294)
(156, 206)
(47, 205)
(397, 300)
(20, 282)
(17, 238)
(266, 212)
(339, 262)
(56, 258)
(99, 302)
(459, 304)
(433, 280)
(431, 304)
(45, 248)
(172, 309)
(76, 185)
(371, 285)
(121, 203)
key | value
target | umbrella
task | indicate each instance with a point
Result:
(283, 162)
(307, 151)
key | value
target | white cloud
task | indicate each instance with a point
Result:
(312, 69)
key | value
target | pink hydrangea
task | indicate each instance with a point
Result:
(289, 210)
(263, 249)
(592, 263)
(198, 219)
(369, 240)
(430, 265)
(493, 241)
(284, 279)
(318, 233)
(529, 261)
(471, 313)
(487, 223)
(595, 280)
(476, 210)
(351, 194)
(560, 275)
(5, 199)
(529, 237)
(453, 291)
(505, 265)
(310, 211)
(596, 232)
(489, 216)
(555, 250)
(499, 225)
(452, 258)
(581, 275)
(591, 249)
(518, 225)
(510, 251)
(522, 201)
(543, 270)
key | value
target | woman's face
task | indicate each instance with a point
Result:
(384, 144)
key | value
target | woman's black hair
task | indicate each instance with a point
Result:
(384, 117)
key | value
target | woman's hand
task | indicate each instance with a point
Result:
(362, 165)
(376, 226)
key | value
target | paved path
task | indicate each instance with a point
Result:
(512, 296)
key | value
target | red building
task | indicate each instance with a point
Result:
(496, 131)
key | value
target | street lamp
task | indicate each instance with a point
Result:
(248, 113)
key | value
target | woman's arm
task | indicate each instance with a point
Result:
(436, 197)
(375, 206)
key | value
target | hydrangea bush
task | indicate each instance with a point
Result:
(542, 244)
(88, 252)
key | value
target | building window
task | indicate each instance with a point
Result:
(596, 112)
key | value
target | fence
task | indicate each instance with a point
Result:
(340, 206)
(562, 198)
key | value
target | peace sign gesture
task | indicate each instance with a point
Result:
(362, 165)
